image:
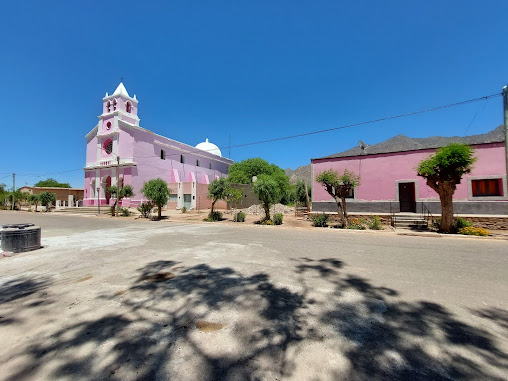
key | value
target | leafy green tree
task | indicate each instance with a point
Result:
(47, 199)
(339, 187)
(221, 189)
(443, 171)
(4, 195)
(125, 191)
(17, 197)
(268, 191)
(243, 172)
(157, 192)
(302, 193)
(52, 183)
(33, 199)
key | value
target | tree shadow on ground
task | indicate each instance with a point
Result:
(14, 295)
(158, 332)
(21, 287)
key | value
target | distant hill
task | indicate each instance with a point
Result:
(300, 173)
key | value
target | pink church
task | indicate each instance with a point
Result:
(389, 182)
(118, 143)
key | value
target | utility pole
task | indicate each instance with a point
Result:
(306, 196)
(505, 111)
(117, 184)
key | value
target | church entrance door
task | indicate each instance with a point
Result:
(107, 184)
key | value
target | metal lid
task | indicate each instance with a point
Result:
(16, 226)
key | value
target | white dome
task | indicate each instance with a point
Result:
(209, 147)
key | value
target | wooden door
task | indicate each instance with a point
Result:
(407, 199)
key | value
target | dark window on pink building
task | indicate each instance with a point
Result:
(108, 105)
(128, 107)
(210, 166)
(163, 155)
(182, 159)
(108, 146)
(197, 163)
(487, 187)
(114, 104)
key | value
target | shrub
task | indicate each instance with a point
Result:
(215, 216)
(239, 217)
(277, 219)
(145, 209)
(320, 220)
(124, 212)
(183, 209)
(375, 223)
(462, 223)
(356, 224)
(471, 230)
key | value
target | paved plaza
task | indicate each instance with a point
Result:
(114, 299)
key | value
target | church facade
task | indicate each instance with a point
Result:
(119, 148)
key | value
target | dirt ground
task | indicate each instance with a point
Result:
(122, 299)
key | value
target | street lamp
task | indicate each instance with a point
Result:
(98, 201)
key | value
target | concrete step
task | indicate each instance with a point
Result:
(411, 225)
(84, 210)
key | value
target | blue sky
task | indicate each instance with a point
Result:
(252, 70)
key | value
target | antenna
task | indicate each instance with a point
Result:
(362, 146)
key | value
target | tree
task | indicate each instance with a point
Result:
(302, 193)
(443, 171)
(157, 192)
(268, 191)
(33, 199)
(4, 195)
(17, 197)
(221, 189)
(52, 183)
(339, 187)
(243, 172)
(47, 199)
(125, 191)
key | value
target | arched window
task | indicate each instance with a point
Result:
(114, 104)
(182, 159)
(128, 107)
(108, 146)
(108, 105)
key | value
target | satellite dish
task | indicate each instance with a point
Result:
(362, 145)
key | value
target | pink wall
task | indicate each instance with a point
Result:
(91, 150)
(380, 173)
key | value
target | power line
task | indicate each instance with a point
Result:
(367, 122)
(312, 132)
(475, 115)
(48, 173)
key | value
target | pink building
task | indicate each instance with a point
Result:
(118, 143)
(389, 180)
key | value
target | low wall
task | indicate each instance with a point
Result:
(489, 223)
(459, 207)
